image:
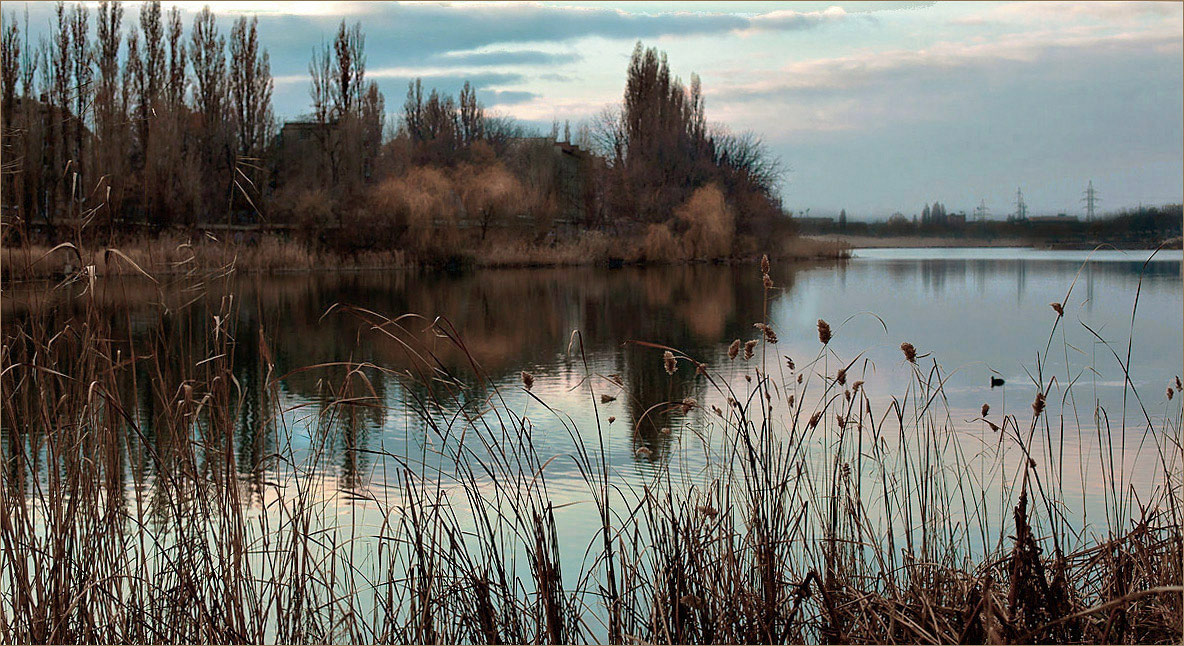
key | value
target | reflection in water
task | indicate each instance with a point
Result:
(975, 314)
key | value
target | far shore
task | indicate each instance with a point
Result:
(915, 241)
(186, 253)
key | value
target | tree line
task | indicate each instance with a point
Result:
(165, 123)
(149, 122)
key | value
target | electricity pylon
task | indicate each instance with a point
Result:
(981, 211)
(1091, 200)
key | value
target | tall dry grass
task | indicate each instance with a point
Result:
(123, 517)
(710, 224)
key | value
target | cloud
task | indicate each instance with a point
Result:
(885, 69)
(1064, 12)
(785, 20)
(431, 32)
(504, 57)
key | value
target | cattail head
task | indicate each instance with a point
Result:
(841, 376)
(669, 362)
(910, 353)
(823, 331)
(986, 409)
(765, 264)
(1058, 308)
(748, 348)
(1038, 405)
(734, 349)
(527, 379)
(767, 281)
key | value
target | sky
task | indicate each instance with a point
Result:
(871, 107)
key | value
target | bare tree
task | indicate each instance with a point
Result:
(207, 51)
(10, 53)
(83, 58)
(110, 154)
(250, 87)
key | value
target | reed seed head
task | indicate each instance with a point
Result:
(748, 348)
(841, 420)
(765, 264)
(910, 353)
(986, 409)
(767, 281)
(856, 385)
(643, 452)
(734, 349)
(1038, 405)
(770, 335)
(1058, 308)
(669, 362)
(688, 404)
(815, 418)
(823, 331)
(611, 419)
(841, 376)
(527, 379)
(1170, 393)
(790, 401)
(701, 369)
(1179, 386)
(707, 510)
(604, 399)
(789, 363)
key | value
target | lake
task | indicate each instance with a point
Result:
(972, 314)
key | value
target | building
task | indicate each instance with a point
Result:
(563, 169)
(298, 149)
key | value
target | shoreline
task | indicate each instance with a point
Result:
(273, 254)
(950, 242)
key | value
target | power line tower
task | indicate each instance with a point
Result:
(1021, 209)
(981, 211)
(1091, 200)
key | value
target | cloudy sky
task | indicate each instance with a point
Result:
(873, 107)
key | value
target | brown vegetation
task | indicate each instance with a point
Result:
(885, 542)
(183, 133)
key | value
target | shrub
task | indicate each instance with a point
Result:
(710, 224)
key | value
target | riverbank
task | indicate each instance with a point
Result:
(174, 254)
(916, 241)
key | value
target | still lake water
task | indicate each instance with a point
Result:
(977, 312)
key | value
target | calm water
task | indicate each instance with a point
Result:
(977, 312)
